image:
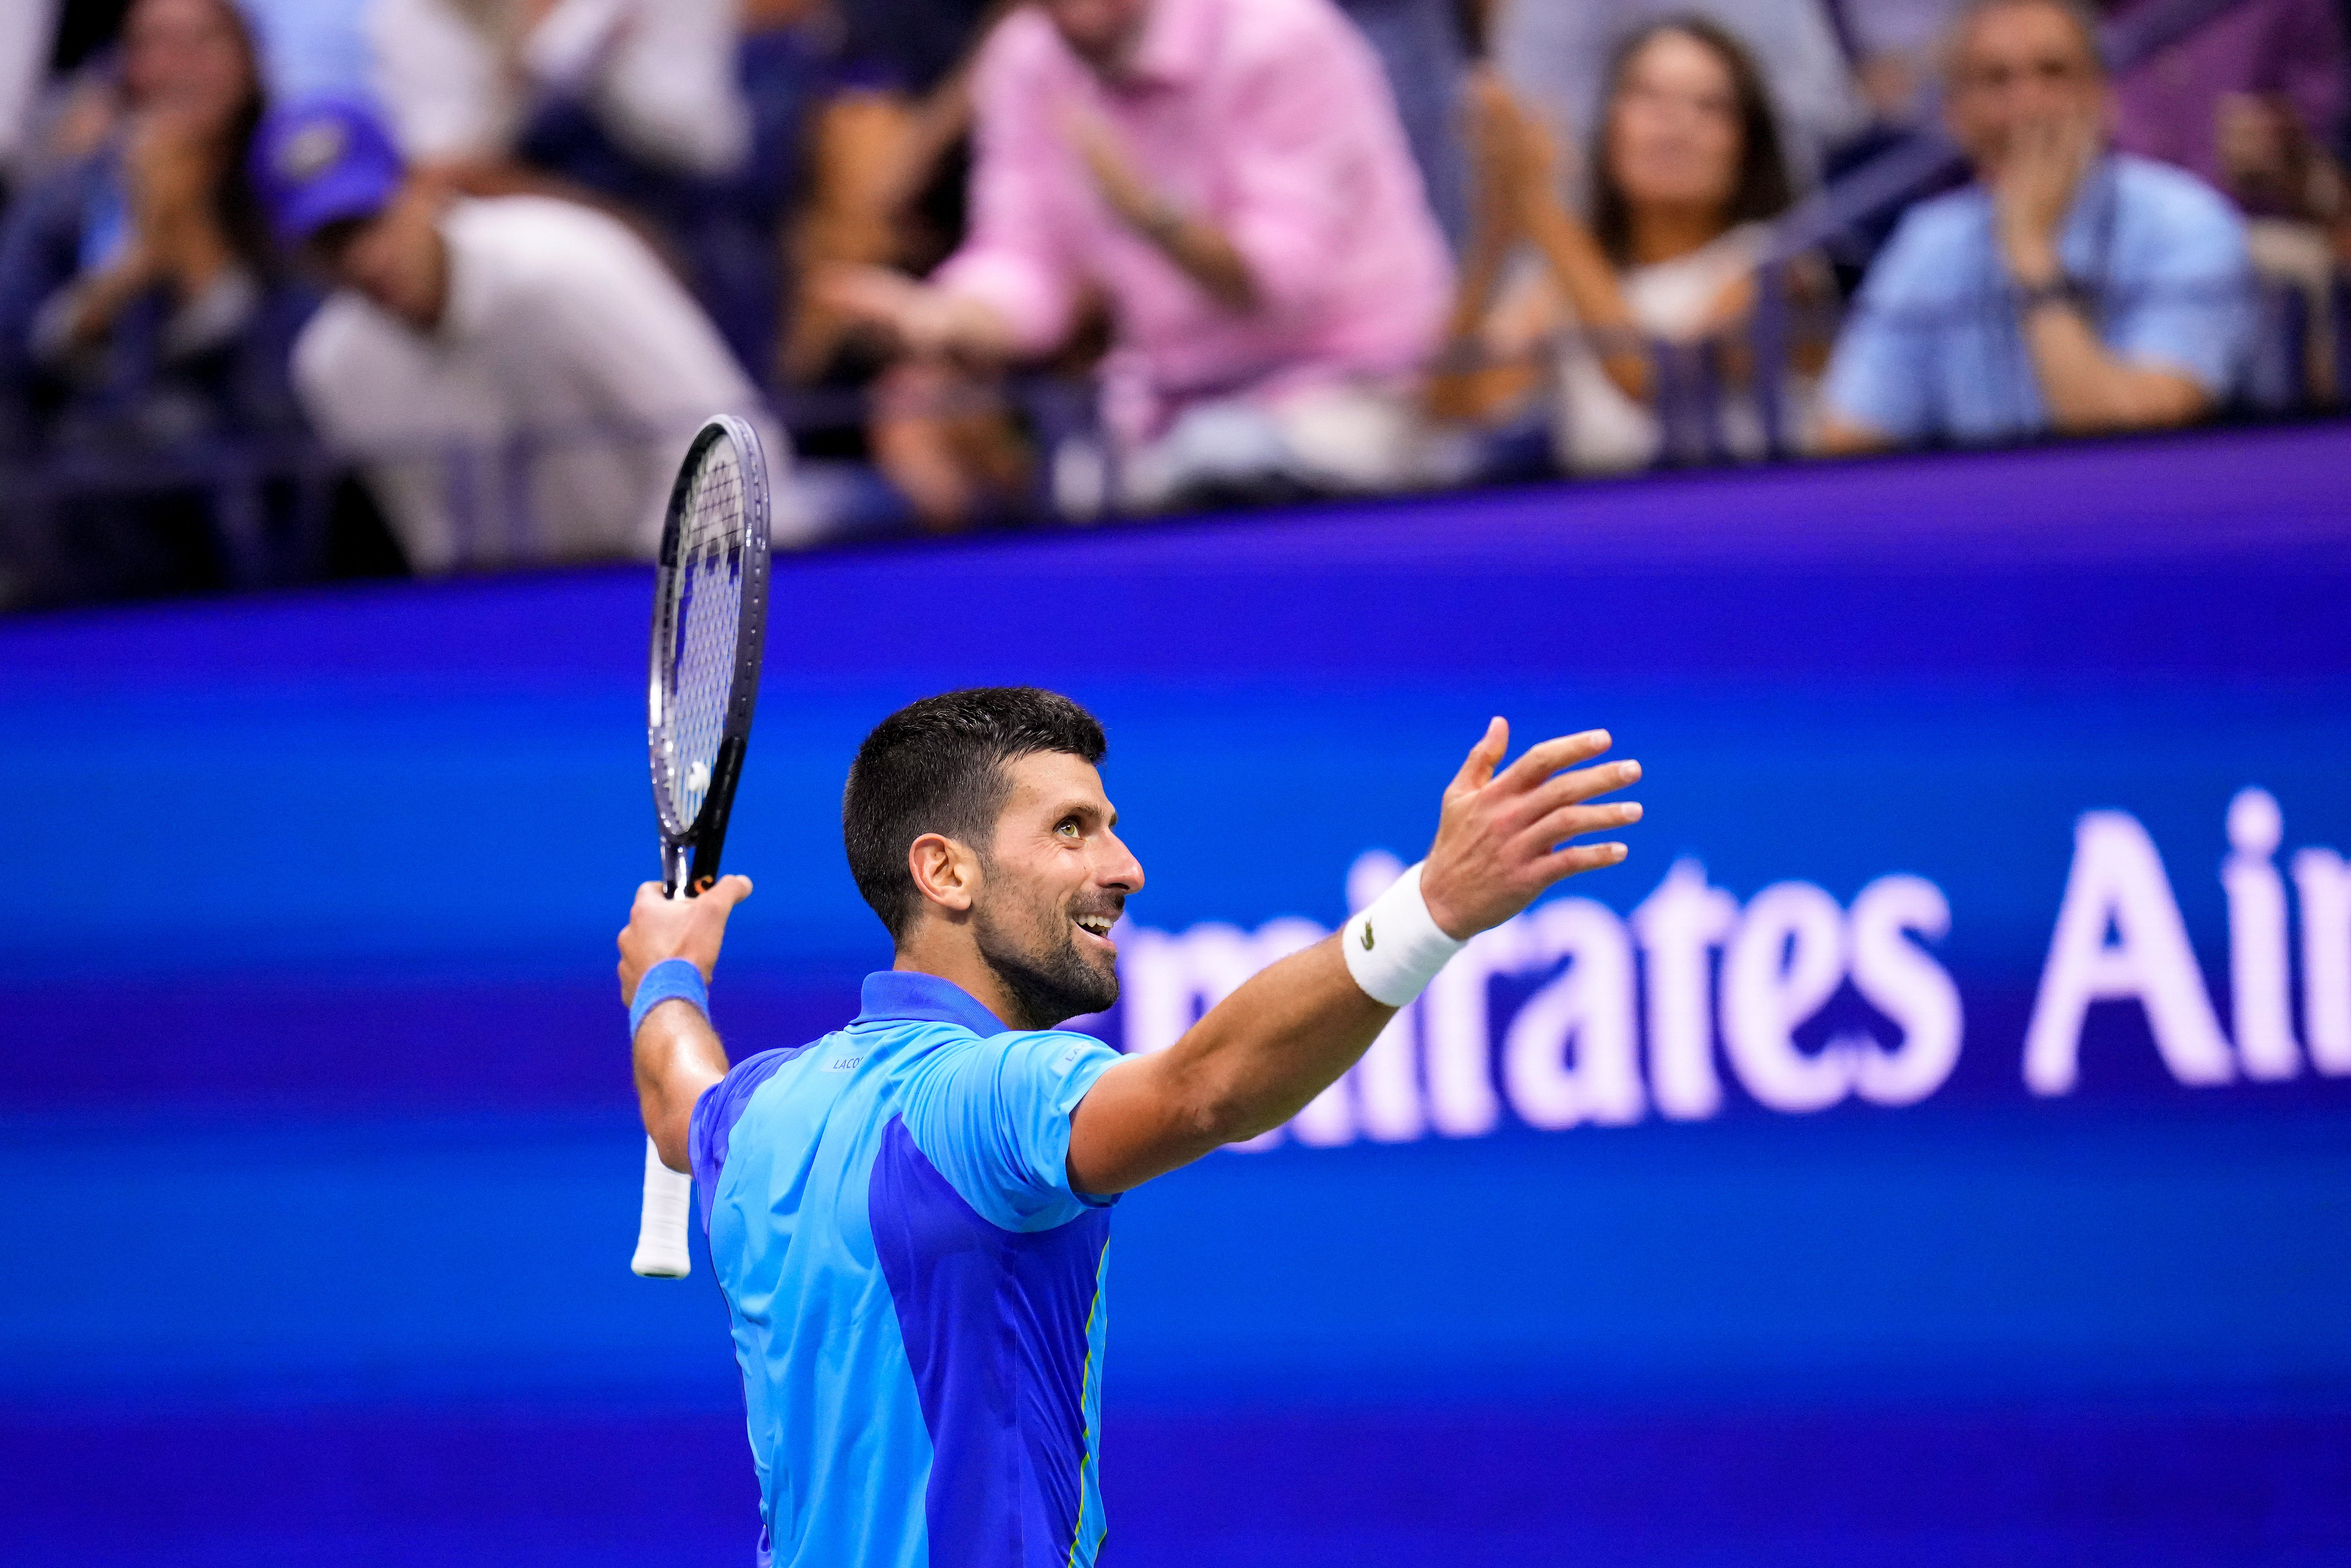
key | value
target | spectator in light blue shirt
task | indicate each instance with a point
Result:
(2070, 288)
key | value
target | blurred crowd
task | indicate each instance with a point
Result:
(291, 288)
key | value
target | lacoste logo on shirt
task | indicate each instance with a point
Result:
(842, 1063)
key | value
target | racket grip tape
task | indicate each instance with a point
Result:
(710, 827)
(662, 1252)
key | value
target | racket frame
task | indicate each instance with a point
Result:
(704, 838)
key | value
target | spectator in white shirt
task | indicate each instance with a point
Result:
(518, 374)
(643, 104)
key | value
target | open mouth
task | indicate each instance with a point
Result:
(1096, 926)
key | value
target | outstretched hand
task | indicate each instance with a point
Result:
(660, 927)
(1502, 836)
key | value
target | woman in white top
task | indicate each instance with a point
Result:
(1640, 310)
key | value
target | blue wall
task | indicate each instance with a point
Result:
(316, 1104)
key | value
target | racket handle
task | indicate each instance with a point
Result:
(661, 1251)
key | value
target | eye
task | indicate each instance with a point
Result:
(1069, 827)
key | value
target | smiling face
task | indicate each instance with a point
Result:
(186, 61)
(1055, 880)
(1673, 137)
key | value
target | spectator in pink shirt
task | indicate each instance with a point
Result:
(1230, 179)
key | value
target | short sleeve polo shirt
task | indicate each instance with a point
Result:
(1933, 350)
(916, 1292)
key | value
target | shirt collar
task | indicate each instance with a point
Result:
(895, 996)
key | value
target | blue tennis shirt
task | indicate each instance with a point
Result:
(916, 1290)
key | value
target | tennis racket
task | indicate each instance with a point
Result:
(710, 618)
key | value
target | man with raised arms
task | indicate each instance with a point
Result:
(909, 1216)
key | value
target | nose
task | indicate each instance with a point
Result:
(1118, 869)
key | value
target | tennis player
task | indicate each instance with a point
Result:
(909, 1216)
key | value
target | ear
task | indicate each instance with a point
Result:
(946, 873)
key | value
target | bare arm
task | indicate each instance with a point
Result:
(928, 321)
(177, 241)
(1288, 1033)
(1582, 273)
(1474, 379)
(2088, 389)
(676, 1053)
(1194, 245)
(1517, 161)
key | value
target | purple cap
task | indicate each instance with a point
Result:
(322, 160)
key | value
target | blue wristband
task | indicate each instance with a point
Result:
(670, 980)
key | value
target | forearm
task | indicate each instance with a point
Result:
(1283, 1037)
(2088, 388)
(196, 254)
(1286, 1035)
(677, 1056)
(1585, 276)
(1491, 238)
(1205, 255)
(97, 299)
(972, 328)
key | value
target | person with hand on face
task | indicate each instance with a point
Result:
(509, 329)
(1231, 177)
(2069, 288)
(909, 1216)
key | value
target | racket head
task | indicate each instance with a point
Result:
(709, 627)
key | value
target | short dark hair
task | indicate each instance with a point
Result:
(1762, 189)
(937, 767)
(1961, 24)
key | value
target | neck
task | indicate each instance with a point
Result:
(1665, 232)
(1115, 58)
(951, 955)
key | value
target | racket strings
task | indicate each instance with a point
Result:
(706, 624)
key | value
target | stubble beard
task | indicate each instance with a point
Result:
(1048, 979)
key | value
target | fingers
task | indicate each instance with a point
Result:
(1563, 864)
(1568, 789)
(730, 891)
(1546, 757)
(1484, 756)
(1555, 828)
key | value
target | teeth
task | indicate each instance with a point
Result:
(1096, 923)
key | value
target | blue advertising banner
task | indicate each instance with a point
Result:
(1968, 1032)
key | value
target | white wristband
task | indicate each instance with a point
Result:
(1394, 945)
